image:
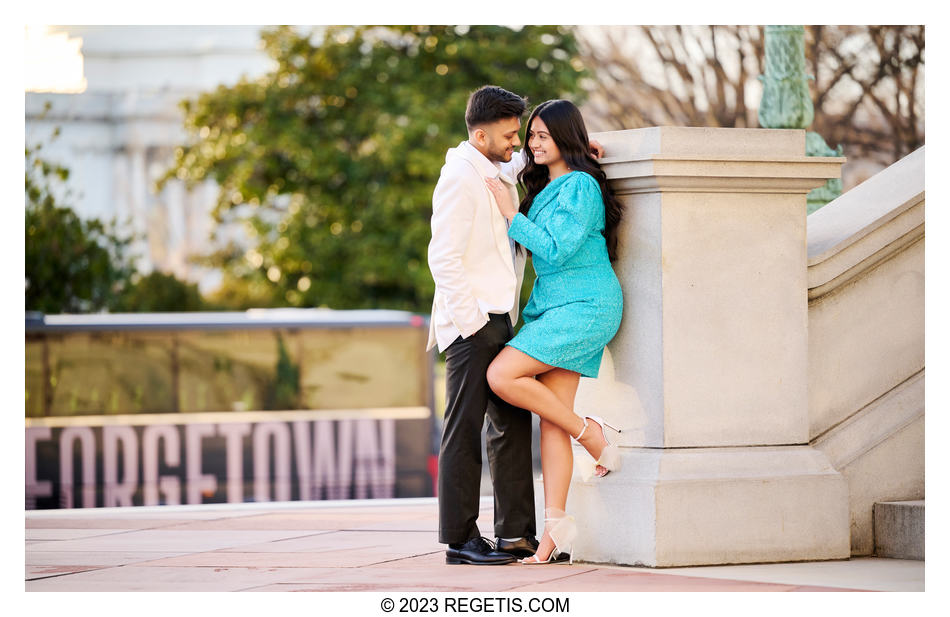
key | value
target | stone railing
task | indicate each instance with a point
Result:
(866, 339)
(763, 376)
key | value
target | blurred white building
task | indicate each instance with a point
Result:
(121, 123)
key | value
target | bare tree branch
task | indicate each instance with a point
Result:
(867, 91)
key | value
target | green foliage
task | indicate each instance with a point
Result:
(76, 265)
(330, 160)
(159, 292)
(284, 393)
(72, 265)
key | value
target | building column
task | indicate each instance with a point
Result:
(707, 376)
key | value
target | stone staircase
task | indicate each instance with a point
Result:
(866, 362)
(899, 529)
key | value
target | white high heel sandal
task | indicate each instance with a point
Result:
(609, 457)
(563, 530)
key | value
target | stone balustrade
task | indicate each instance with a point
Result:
(768, 372)
(708, 375)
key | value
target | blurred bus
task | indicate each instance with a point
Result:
(265, 405)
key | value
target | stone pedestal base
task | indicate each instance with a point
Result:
(705, 506)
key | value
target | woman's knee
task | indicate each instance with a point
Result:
(497, 380)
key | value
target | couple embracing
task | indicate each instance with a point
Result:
(481, 237)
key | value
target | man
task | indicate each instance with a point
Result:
(478, 277)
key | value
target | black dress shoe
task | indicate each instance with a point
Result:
(477, 552)
(520, 548)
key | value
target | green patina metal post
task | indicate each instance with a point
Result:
(786, 101)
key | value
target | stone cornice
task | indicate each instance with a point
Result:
(744, 174)
(676, 159)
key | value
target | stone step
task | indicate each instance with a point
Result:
(899, 529)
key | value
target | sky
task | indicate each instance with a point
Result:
(52, 61)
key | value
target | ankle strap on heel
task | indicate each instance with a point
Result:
(583, 430)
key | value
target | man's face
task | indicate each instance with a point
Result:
(498, 140)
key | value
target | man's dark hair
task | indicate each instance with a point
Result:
(491, 103)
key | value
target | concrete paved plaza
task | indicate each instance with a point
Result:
(376, 546)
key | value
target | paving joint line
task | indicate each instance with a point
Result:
(557, 578)
(43, 578)
(376, 563)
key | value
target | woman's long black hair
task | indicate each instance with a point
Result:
(566, 127)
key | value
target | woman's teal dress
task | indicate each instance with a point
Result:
(576, 303)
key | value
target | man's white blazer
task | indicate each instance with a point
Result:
(470, 255)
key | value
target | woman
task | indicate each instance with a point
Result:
(568, 220)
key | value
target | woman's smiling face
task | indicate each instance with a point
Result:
(542, 145)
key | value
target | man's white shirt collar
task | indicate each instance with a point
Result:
(485, 167)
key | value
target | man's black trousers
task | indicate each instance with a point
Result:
(508, 443)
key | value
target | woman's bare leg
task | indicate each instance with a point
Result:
(511, 375)
(557, 459)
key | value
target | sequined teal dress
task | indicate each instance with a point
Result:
(576, 303)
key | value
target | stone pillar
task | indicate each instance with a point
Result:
(708, 374)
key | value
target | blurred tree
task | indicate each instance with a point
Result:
(72, 265)
(76, 265)
(330, 160)
(868, 86)
(284, 392)
(159, 292)
(672, 75)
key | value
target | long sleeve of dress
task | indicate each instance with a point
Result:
(562, 232)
